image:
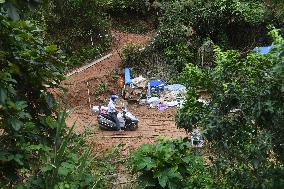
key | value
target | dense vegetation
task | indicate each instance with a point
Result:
(83, 28)
(170, 164)
(211, 42)
(186, 31)
(243, 121)
(37, 149)
(208, 42)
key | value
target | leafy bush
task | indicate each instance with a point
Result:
(15, 8)
(61, 166)
(77, 28)
(170, 164)
(140, 7)
(243, 120)
(187, 30)
(84, 55)
(131, 55)
(102, 88)
(28, 67)
(135, 25)
(37, 149)
(148, 62)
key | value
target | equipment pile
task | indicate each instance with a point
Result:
(154, 93)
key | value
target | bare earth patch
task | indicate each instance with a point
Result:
(152, 122)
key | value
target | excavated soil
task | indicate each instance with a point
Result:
(152, 122)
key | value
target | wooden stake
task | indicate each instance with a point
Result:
(89, 97)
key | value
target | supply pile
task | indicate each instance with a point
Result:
(154, 93)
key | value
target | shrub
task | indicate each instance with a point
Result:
(243, 120)
(37, 149)
(148, 62)
(187, 30)
(132, 55)
(139, 7)
(61, 166)
(170, 164)
(77, 29)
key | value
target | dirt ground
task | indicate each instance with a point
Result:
(152, 122)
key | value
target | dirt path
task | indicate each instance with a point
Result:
(152, 122)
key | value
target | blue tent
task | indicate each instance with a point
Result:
(263, 50)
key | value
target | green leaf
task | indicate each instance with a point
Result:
(29, 125)
(163, 180)
(172, 185)
(147, 163)
(3, 95)
(2, 1)
(16, 124)
(5, 156)
(51, 48)
(24, 115)
(282, 88)
(19, 186)
(46, 168)
(49, 100)
(65, 168)
(18, 158)
(12, 11)
(173, 173)
(63, 171)
(20, 105)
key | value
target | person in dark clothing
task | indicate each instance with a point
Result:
(113, 111)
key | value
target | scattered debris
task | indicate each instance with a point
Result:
(197, 139)
(205, 102)
(162, 107)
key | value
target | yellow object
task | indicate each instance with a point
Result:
(120, 81)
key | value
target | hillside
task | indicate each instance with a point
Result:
(152, 123)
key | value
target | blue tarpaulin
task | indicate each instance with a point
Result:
(156, 83)
(127, 78)
(175, 87)
(262, 50)
(156, 86)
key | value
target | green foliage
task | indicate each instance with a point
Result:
(193, 76)
(28, 66)
(188, 30)
(170, 164)
(228, 23)
(106, 169)
(15, 7)
(61, 166)
(140, 7)
(243, 121)
(131, 55)
(84, 55)
(122, 10)
(74, 26)
(102, 88)
(37, 149)
(133, 25)
(148, 62)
